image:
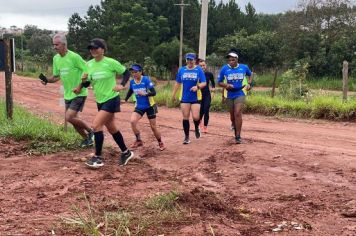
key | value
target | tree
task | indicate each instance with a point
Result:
(166, 54)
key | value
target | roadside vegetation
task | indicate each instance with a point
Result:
(41, 135)
(110, 218)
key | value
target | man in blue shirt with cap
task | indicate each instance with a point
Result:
(238, 79)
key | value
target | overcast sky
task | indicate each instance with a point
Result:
(52, 14)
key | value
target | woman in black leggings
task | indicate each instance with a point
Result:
(206, 97)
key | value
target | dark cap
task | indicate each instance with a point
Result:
(97, 43)
(135, 67)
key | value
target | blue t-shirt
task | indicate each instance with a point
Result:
(236, 77)
(190, 78)
(142, 102)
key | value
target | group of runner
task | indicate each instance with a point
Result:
(102, 72)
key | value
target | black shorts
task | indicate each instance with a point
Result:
(150, 112)
(195, 102)
(76, 104)
(112, 105)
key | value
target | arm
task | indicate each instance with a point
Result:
(125, 77)
(249, 81)
(128, 95)
(201, 82)
(175, 89)
(212, 81)
(45, 80)
(151, 92)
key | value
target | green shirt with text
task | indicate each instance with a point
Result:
(70, 69)
(102, 75)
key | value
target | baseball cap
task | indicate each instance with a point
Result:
(190, 56)
(97, 43)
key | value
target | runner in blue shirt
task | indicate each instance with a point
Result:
(191, 80)
(143, 89)
(238, 79)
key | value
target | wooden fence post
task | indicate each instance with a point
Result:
(274, 82)
(345, 79)
(8, 79)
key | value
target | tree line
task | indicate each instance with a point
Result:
(319, 33)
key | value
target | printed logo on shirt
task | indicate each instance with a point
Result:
(64, 71)
(99, 75)
(136, 90)
(235, 76)
(190, 76)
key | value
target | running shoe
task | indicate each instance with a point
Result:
(125, 157)
(186, 140)
(238, 140)
(91, 135)
(87, 143)
(205, 129)
(137, 143)
(95, 162)
(232, 127)
(161, 146)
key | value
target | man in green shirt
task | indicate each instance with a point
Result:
(69, 67)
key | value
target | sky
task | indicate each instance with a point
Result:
(54, 15)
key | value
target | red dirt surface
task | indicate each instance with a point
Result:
(298, 174)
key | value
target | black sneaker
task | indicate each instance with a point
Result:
(186, 140)
(238, 140)
(87, 143)
(197, 133)
(125, 157)
(91, 135)
(95, 162)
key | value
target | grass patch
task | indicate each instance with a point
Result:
(326, 83)
(139, 220)
(317, 105)
(43, 136)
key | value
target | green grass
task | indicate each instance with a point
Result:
(41, 135)
(326, 83)
(135, 220)
(320, 105)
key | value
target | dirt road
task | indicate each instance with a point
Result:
(295, 177)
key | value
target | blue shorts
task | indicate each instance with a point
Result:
(112, 105)
(150, 112)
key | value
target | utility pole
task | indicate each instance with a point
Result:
(203, 29)
(182, 5)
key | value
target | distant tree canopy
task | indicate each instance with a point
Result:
(321, 33)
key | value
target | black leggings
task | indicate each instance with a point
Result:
(205, 107)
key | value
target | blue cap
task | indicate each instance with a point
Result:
(136, 67)
(190, 56)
